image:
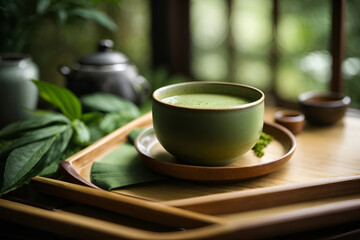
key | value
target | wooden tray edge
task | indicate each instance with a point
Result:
(80, 226)
(223, 203)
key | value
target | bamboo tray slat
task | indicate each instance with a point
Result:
(260, 226)
(129, 206)
(200, 211)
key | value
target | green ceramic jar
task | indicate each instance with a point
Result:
(17, 93)
(208, 136)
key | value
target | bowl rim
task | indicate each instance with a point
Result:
(243, 106)
(343, 100)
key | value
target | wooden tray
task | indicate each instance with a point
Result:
(307, 166)
(234, 216)
(77, 168)
(247, 166)
(315, 189)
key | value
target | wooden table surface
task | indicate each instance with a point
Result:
(322, 153)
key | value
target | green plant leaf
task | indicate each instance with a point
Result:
(146, 106)
(39, 112)
(42, 6)
(133, 135)
(61, 97)
(21, 160)
(92, 118)
(96, 16)
(35, 135)
(95, 133)
(49, 164)
(11, 131)
(71, 150)
(121, 167)
(106, 102)
(62, 16)
(115, 120)
(81, 133)
(92, 121)
(4, 144)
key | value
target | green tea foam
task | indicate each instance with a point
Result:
(205, 100)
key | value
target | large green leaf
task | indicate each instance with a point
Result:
(121, 167)
(115, 120)
(91, 118)
(82, 134)
(12, 131)
(61, 97)
(106, 102)
(21, 160)
(49, 164)
(42, 6)
(35, 135)
(71, 150)
(133, 135)
(95, 133)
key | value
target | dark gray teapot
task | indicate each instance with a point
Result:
(106, 71)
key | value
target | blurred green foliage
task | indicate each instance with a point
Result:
(56, 32)
(22, 19)
(303, 41)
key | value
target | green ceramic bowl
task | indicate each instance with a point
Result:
(208, 136)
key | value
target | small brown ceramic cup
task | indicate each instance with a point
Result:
(292, 120)
(324, 108)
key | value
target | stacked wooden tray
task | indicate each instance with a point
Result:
(301, 194)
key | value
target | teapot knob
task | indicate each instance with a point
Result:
(105, 45)
(64, 70)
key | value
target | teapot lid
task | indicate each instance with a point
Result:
(104, 55)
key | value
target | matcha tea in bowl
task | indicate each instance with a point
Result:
(208, 123)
